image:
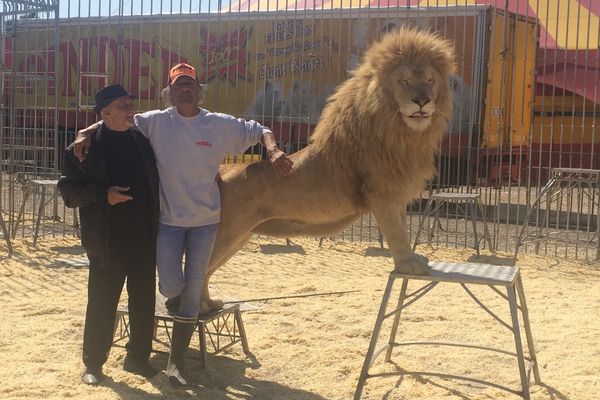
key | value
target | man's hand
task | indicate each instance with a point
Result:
(82, 141)
(280, 162)
(115, 196)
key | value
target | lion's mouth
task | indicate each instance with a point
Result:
(419, 115)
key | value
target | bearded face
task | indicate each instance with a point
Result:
(413, 88)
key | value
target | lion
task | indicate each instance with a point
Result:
(373, 150)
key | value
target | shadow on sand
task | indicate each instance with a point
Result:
(282, 249)
(453, 384)
(72, 250)
(225, 378)
(377, 252)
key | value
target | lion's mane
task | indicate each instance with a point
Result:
(365, 155)
(361, 132)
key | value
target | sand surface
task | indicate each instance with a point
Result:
(309, 336)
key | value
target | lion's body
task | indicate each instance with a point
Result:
(372, 150)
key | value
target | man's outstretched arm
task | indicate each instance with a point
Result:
(278, 159)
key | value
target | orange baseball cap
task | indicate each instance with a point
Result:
(182, 69)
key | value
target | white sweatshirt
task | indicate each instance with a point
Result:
(188, 153)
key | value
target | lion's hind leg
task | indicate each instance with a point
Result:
(222, 252)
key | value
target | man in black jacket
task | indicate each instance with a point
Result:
(116, 190)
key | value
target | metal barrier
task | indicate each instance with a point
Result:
(526, 88)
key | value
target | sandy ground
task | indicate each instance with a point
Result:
(311, 344)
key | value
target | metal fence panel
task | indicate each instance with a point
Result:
(525, 94)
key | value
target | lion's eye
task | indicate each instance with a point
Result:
(430, 81)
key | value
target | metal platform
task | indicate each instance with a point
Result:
(471, 203)
(572, 186)
(48, 194)
(217, 330)
(463, 274)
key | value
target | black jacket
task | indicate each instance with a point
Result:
(85, 185)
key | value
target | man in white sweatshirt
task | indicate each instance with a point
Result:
(189, 143)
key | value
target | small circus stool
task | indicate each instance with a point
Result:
(217, 330)
(564, 184)
(48, 190)
(471, 202)
(463, 274)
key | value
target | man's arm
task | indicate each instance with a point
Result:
(247, 133)
(278, 159)
(77, 191)
(74, 188)
(82, 141)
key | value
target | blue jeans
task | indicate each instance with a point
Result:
(197, 244)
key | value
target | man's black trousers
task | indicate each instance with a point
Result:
(105, 284)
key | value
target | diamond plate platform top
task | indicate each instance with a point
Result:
(474, 273)
(457, 196)
(160, 311)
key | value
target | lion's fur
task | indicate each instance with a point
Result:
(362, 157)
(360, 129)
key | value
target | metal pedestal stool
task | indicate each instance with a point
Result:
(48, 194)
(463, 274)
(30, 188)
(562, 183)
(217, 330)
(471, 202)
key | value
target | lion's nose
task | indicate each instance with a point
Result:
(421, 101)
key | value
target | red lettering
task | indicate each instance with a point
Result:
(68, 57)
(37, 68)
(137, 71)
(101, 55)
(8, 53)
(51, 71)
(103, 47)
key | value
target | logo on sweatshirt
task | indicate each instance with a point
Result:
(203, 143)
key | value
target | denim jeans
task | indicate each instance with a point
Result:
(197, 245)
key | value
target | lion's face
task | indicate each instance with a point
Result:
(415, 90)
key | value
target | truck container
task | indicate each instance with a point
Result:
(277, 67)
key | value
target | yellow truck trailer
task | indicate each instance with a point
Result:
(278, 67)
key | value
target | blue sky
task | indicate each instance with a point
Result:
(94, 8)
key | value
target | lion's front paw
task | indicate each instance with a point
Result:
(414, 264)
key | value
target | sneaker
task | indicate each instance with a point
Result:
(139, 367)
(175, 376)
(92, 376)
(172, 305)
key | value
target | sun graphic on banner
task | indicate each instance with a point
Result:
(225, 55)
